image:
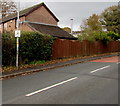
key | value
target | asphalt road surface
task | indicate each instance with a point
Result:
(93, 82)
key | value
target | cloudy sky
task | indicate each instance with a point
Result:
(77, 10)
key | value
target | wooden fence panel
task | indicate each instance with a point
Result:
(70, 48)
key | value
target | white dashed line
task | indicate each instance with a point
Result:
(30, 94)
(99, 69)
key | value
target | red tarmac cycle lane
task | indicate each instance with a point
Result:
(114, 59)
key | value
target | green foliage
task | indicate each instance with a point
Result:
(104, 37)
(110, 19)
(8, 49)
(86, 36)
(92, 24)
(92, 27)
(33, 47)
(95, 36)
(114, 36)
(38, 62)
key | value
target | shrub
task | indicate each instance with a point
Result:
(8, 49)
(34, 46)
(95, 36)
(86, 36)
(114, 36)
(103, 37)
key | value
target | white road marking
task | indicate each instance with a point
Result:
(30, 94)
(99, 69)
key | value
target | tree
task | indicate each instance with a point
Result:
(92, 24)
(92, 30)
(8, 7)
(110, 19)
(89, 27)
(67, 29)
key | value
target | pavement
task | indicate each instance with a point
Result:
(91, 82)
(26, 71)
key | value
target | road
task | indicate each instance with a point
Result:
(93, 82)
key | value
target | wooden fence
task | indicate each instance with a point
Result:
(70, 48)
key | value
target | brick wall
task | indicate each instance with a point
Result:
(11, 26)
(1, 28)
(41, 15)
(25, 27)
(8, 26)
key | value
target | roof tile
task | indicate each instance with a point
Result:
(26, 11)
(55, 31)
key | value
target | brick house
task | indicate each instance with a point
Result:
(37, 18)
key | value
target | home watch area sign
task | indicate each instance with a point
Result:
(17, 33)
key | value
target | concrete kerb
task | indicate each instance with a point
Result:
(34, 71)
(53, 67)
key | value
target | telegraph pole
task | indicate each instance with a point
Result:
(17, 35)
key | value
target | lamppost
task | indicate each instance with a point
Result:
(71, 26)
(17, 35)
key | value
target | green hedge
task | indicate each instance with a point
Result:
(34, 46)
(99, 35)
(8, 49)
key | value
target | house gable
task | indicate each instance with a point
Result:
(37, 13)
(26, 12)
(43, 15)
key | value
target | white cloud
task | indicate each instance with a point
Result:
(77, 10)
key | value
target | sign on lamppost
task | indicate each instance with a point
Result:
(17, 33)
